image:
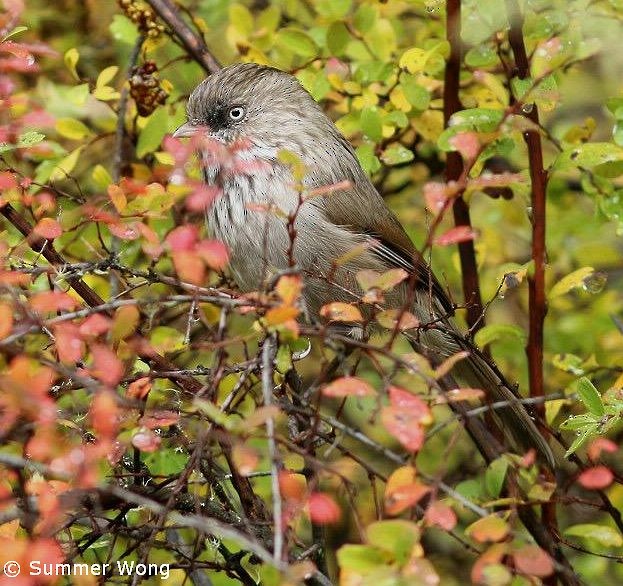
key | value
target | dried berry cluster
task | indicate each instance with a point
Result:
(145, 88)
(142, 16)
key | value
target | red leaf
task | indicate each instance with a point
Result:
(155, 419)
(125, 231)
(403, 490)
(202, 198)
(106, 366)
(323, 510)
(146, 440)
(348, 386)
(182, 238)
(52, 301)
(601, 444)
(403, 427)
(441, 515)
(213, 253)
(596, 478)
(104, 414)
(95, 325)
(455, 235)
(69, 344)
(531, 560)
(7, 181)
(48, 228)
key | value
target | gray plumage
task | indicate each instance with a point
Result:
(256, 112)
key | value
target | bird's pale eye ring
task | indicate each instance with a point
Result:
(236, 113)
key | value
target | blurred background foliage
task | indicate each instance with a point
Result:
(377, 68)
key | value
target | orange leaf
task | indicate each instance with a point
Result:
(403, 490)
(280, 315)
(491, 528)
(245, 458)
(140, 388)
(118, 198)
(52, 301)
(104, 413)
(338, 311)
(124, 322)
(466, 394)
(289, 288)
(292, 486)
(69, 344)
(48, 228)
(348, 386)
(6, 320)
(106, 366)
(214, 253)
(189, 266)
(94, 325)
(601, 444)
(392, 317)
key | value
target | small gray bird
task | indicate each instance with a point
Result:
(253, 114)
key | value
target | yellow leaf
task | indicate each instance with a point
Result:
(125, 322)
(72, 128)
(71, 60)
(344, 312)
(571, 281)
(101, 177)
(106, 75)
(66, 165)
(106, 93)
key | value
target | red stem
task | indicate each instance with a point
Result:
(454, 168)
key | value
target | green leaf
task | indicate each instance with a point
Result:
(72, 128)
(588, 155)
(65, 166)
(364, 18)
(297, 41)
(371, 124)
(571, 281)
(481, 56)
(16, 31)
(493, 332)
(71, 60)
(241, 19)
(367, 159)
(418, 96)
(590, 396)
(495, 475)
(397, 537)
(123, 29)
(606, 536)
(359, 558)
(396, 154)
(78, 94)
(333, 8)
(338, 38)
(152, 134)
(479, 119)
(166, 462)
(101, 177)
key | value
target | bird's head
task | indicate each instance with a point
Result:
(257, 105)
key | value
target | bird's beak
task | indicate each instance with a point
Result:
(185, 130)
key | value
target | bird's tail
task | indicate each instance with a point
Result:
(480, 372)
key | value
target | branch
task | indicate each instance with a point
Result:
(454, 168)
(194, 44)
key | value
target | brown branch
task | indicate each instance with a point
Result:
(186, 383)
(454, 168)
(193, 43)
(537, 304)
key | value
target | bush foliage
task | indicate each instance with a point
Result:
(151, 413)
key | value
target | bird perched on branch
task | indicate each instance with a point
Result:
(253, 114)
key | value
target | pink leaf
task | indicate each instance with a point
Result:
(323, 510)
(213, 253)
(531, 560)
(467, 144)
(106, 366)
(455, 235)
(348, 386)
(182, 238)
(146, 440)
(596, 478)
(601, 444)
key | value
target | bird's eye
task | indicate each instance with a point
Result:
(236, 113)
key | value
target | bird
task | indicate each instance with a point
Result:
(258, 122)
